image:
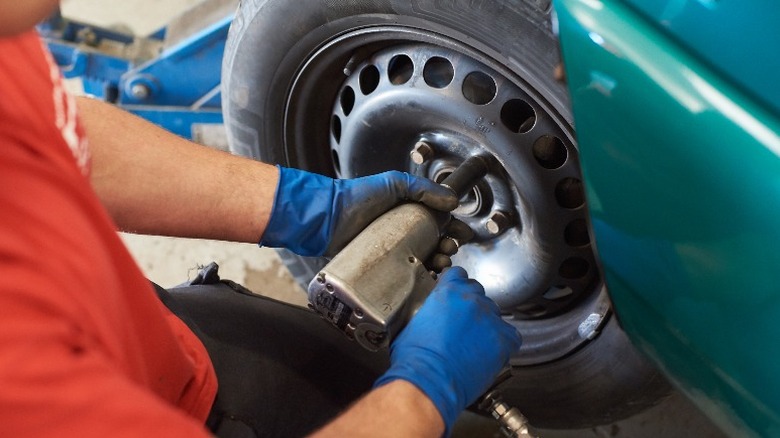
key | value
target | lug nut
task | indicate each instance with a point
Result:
(421, 153)
(498, 223)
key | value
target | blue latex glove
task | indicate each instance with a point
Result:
(454, 347)
(314, 215)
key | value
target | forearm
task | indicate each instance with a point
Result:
(393, 410)
(154, 182)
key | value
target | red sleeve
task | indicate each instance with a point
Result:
(86, 348)
(58, 373)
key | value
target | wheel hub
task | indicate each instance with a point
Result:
(532, 251)
(419, 94)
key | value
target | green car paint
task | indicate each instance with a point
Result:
(735, 38)
(682, 169)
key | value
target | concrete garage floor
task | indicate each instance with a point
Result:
(169, 261)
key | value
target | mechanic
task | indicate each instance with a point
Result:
(87, 348)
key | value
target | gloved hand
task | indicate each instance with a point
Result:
(314, 215)
(454, 347)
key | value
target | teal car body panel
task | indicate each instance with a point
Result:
(682, 171)
(738, 39)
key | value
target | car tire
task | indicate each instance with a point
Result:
(277, 103)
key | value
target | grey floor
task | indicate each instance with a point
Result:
(169, 261)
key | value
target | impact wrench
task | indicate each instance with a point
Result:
(374, 286)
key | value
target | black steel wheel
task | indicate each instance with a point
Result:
(354, 88)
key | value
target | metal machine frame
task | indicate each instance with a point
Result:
(171, 77)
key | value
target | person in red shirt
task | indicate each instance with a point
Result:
(88, 347)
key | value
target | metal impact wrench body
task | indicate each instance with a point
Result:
(374, 286)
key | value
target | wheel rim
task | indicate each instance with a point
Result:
(389, 90)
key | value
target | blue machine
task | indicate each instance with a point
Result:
(171, 77)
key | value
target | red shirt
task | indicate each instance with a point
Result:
(86, 347)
